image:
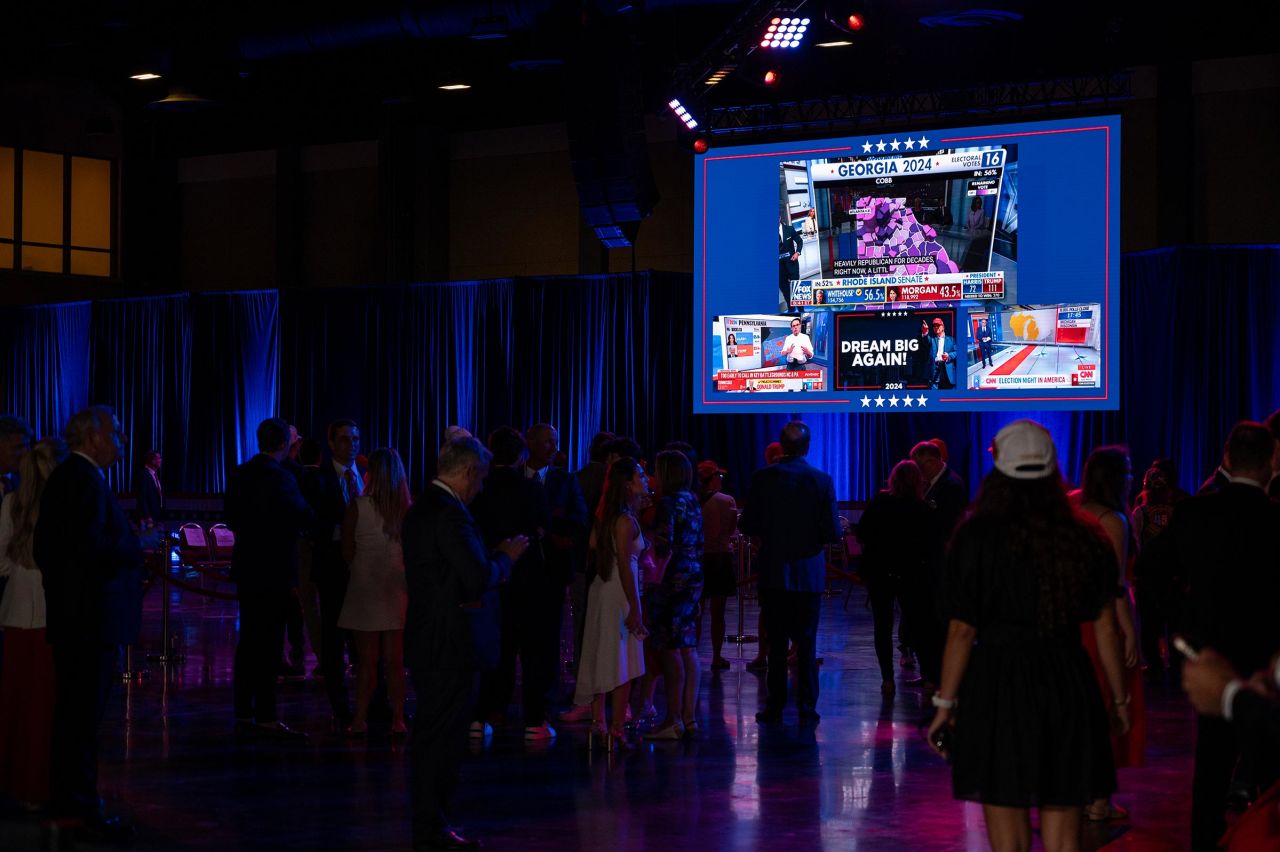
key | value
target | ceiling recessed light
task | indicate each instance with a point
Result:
(835, 44)
(147, 76)
(456, 87)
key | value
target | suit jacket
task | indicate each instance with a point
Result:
(447, 567)
(90, 558)
(948, 346)
(266, 510)
(1257, 721)
(791, 243)
(150, 504)
(324, 493)
(791, 507)
(947, 499)
(1224, 544)
(568, 521)
(511, 504)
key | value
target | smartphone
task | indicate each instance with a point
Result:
(1184, 648)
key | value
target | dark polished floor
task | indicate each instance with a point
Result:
(863, 780)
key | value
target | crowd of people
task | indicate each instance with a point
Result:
(1030, 615)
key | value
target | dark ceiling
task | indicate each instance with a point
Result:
(272, 74)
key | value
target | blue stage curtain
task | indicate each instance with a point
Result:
(235, 357)
(404, 363)
(46, 374)
(142, 369)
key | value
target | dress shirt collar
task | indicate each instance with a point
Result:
(446, 489)
(100, 471)
(1244, 480)
(934, 481)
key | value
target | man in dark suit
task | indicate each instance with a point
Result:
(451, 630)
(1224, 543)
(268, 513)
(790, 246)
(150, 494)
(947, 498)
(92, 566)
(514, 504)
(791, 508)
(335, 483)
(942, 355)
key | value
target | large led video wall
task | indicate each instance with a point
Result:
(959, 269)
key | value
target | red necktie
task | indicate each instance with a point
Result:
(353, 487)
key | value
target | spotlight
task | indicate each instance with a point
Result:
(784, 32)
(681, 113)
(145, 76)
(701, 145)
(770, 77)
(856, 22)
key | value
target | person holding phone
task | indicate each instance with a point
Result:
(1018, 711)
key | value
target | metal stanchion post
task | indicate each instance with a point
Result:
(743, 547)
(130, 674)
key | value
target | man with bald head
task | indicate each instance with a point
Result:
(791, 508)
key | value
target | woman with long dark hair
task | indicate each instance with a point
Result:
(27, 689)
(377, 594)
(1108, 479)
(614, 632)
(892, 564)
(1019, 711)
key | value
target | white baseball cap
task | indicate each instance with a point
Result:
(1024, 450)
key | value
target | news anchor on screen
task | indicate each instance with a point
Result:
(790, 244)
(943, 351)
(797, 348)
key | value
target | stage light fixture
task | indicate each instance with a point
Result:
(784, 32)
(770, 77)
(145, 76)
(856, 22)
(718, 76)
(701, 145)
(455, 87)
(682, 113)
(834, 44)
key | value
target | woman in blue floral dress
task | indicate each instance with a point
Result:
(673, 604)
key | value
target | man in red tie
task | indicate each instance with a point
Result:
(336, 483)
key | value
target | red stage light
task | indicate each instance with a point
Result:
(770, 78)
(856, 22)
(701, 145)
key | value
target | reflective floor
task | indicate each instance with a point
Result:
(863, 780)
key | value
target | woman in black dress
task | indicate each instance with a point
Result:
(1019, 711)
(892, 561)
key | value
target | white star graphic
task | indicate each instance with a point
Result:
(907, 401)
(866, 147)
(921, 400)
(923, 141)
(911, 143)
(880, 145)
(894, 144)
(893, 401)
(879, 402)
(866, 402)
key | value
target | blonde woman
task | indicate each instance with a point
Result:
(374, 608)
(27, 689)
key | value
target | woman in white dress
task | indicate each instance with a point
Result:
(377, 596)
(613, 636)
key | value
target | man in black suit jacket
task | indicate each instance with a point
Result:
(335, 483)
(1224, 543)
(451, 630)
(150, 494)
(791, 508)
(267, 512)
(92, 571)
(514, 504)
(947, 498)
(790, 247)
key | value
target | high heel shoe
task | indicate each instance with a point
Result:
(674, 731)
(618, 740)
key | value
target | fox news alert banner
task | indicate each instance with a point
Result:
(1006, 237)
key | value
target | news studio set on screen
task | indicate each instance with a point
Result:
(950, 269)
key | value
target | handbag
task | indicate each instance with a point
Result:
(653, 567)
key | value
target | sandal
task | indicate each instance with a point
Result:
(1113, 812)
